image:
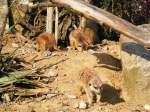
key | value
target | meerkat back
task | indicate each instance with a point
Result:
(77, 40)
(90, 35)
(46, 41)
(52, 42)
(41, 42)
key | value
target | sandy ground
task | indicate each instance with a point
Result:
(105, 61)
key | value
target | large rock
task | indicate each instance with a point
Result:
(136, 69)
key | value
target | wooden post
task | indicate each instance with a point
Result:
(103, 17)
(83, 20)
(136, 70)
(49, 20)
(56, 24)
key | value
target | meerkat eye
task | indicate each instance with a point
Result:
(90, 84)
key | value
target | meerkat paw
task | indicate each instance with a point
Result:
(90, 101)
(98, 97)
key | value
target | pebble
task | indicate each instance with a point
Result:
(79, 49)
(52, 74)
(6, 97)
(91, 51)
(147, 107)
(82, 105)
(71, 96)
(47, 53)
(49, 95)
(15, 45)
(69, 48)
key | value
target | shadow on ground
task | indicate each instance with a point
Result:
(110, 95)
(108, 61)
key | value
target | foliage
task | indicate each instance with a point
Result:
(135, 11)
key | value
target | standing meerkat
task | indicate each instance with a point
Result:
(46, 41)
(78, 40)
(91, 83)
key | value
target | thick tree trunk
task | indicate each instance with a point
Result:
(136, 70)
(103, 17)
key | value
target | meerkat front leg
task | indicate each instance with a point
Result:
(89, 94)
(72, 44)
(43, 48)
(98, 97)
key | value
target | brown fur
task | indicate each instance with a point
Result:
(90, 35)
(91, 83)
(78, 40)
(46, 41)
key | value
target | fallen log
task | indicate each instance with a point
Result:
(103, 17)
(136, 69)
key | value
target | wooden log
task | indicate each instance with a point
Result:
(103, 17)
(136, 70)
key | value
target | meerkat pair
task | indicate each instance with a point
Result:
(91, 83)
(81, 40)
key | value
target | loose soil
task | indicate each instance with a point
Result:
(105, 60)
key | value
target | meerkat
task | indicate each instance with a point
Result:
(91, 84)
(78, 40)
(90, 35)
(46, 41)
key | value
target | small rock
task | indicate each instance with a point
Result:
(69, 48)
(14, 62)
(50, 95)
(147, 107)
(6, 97)
(15, 45)
(52, 74)
(47, 53)
(106, 48)
(105, 42)
(82, 105)
(71, 96)
(55, 66)
(91, 51)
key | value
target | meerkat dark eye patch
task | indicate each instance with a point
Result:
(95, 87)
(90, 84)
